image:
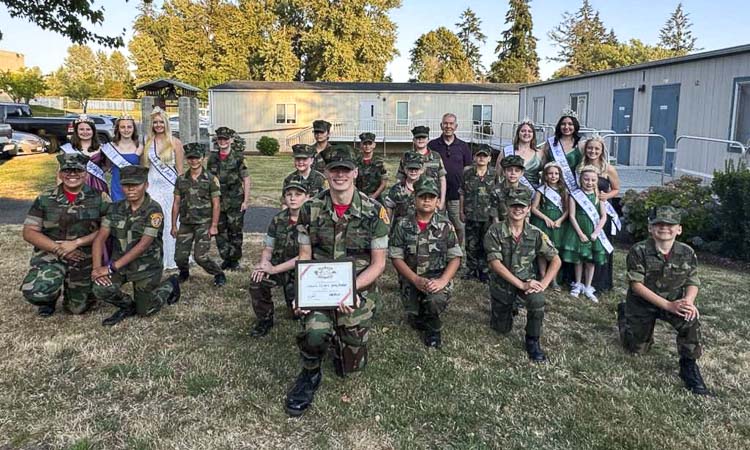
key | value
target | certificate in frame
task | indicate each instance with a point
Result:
(325, 284)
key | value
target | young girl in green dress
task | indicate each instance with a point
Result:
(550, 210)
(581, 245)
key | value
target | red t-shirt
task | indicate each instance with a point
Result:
(422, 225)
(341, 209)
(292, 221)
(367, 161)
(223, 156)
(71, 197)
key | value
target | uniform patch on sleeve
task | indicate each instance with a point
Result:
(156, 219)
(547, 240)
(384, 216)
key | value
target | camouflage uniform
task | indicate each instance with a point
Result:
(196, 208)
(427, 253)
(499, 194)
(371, 172)
(519, 258)
(231, 173)
(60, 220)
(432, 162)
(476, 192)
(399, 198)
(315, 181)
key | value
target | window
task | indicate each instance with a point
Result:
(580, 104)
(402, 113)
(481, 114)
(537, 113)
(286, 113)
(740, 130)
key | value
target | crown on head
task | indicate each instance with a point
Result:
(126, 116)
(157, 110)
(83, 118)
(526, 121)
(567, 112)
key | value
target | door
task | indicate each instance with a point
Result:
(366, 116)
(622, 121)
(665, 103)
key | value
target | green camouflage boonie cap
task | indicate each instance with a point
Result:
(512, 161)
(426, 185)
(133, 175)
(321, 125)
(296, 183)
(420, 131)
(72, 161)
(303, 151)
(482, 149)
(518, 197)
(413, 160)
(367, 137)
(665, 214)
(341, 155)
(224, 132)
(193, 150)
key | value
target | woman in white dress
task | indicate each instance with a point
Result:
(161, 144)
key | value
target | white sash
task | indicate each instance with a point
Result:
(509, 151)
(114, 155)
(164, 170)
(570, 180)
(551, 195)
(616, 224)
(91, 168)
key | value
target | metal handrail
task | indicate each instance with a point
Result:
(646, 135)
(731, 143)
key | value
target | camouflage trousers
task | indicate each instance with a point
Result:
(347, 333)
(195, 236)
(636, 319)
(49, 275)
(229, 239)
(501, 309)
(476, 257)
(453, 210)
(149, 293)
(260, 294)
(425, 308)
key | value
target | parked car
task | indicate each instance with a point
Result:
(203, 127)
(29, 143)
(7, 148)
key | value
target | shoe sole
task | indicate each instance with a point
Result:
(295, 412)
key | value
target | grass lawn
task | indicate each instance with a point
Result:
(192, 377)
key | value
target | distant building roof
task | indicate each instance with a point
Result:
(243, 85)
(162, 83)
(647, 65)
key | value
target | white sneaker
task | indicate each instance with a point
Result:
(589, 293)
(576, 289)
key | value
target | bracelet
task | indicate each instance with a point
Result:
(111, 267)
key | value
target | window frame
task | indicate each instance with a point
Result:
(585, 119)
(736, 84)
(287, 119)
(534, 110)
(399, 121)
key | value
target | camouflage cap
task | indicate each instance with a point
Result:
(482, 149)
(512, 161)
(296, 183)
(420, 131)
(665, 214)
(72, 161)
(133, 175)
(321, 125)
(520, 197)
(193, 150)
(426, 185)
(224, 132)
(367, 137)
(413, 160)
(341, 155)
(303, 151)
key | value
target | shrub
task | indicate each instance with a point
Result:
(700, 209)
(267, 146)
(733, 189)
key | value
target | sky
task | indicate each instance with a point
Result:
(715, 26)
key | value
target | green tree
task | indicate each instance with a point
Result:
(470, 34)
(79, 76)
(517, 60)
(22, 85)
(676, 35)
(116, 79)
(437, 57)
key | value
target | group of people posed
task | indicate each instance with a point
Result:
(540, 208)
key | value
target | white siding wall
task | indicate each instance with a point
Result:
(706, 88)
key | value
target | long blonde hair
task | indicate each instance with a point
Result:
(589, 168)
(603, 163)
(168, 148)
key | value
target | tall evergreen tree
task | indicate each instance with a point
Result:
(676, 35)
(437, 57)
(470, 34)
(517, 60)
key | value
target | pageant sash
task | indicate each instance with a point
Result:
(164, 170)
(570, 180)
(509, 151)
(91, 168)
(551, 195)
(616, 224)
(111, 152)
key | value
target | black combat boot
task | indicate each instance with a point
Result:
(225, 265)
(261, 328)
(415, 322)
(233, 265)
(46, 310)
(119, 315)
(432, 339)
(184, 275)
(691, 375)
(300, 397)
(174, 297)
(534, 350)
(220, 279)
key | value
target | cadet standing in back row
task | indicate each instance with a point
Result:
(314, 181)
(227, 163)
(372, 176)
(475, 199)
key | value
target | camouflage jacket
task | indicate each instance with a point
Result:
(498, 208)
(370, 175)
(518, 257)
(127, 227)
(477, 194)
(363, 227)
(315, 182)
(400, 200)
(433, 166)
(195, 197)
(667, 277)
(426, 252)
(230, 173)
(281, 237)
(60, 220)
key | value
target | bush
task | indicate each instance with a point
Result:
(733, 189)
(267, 146)
(700, 209)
